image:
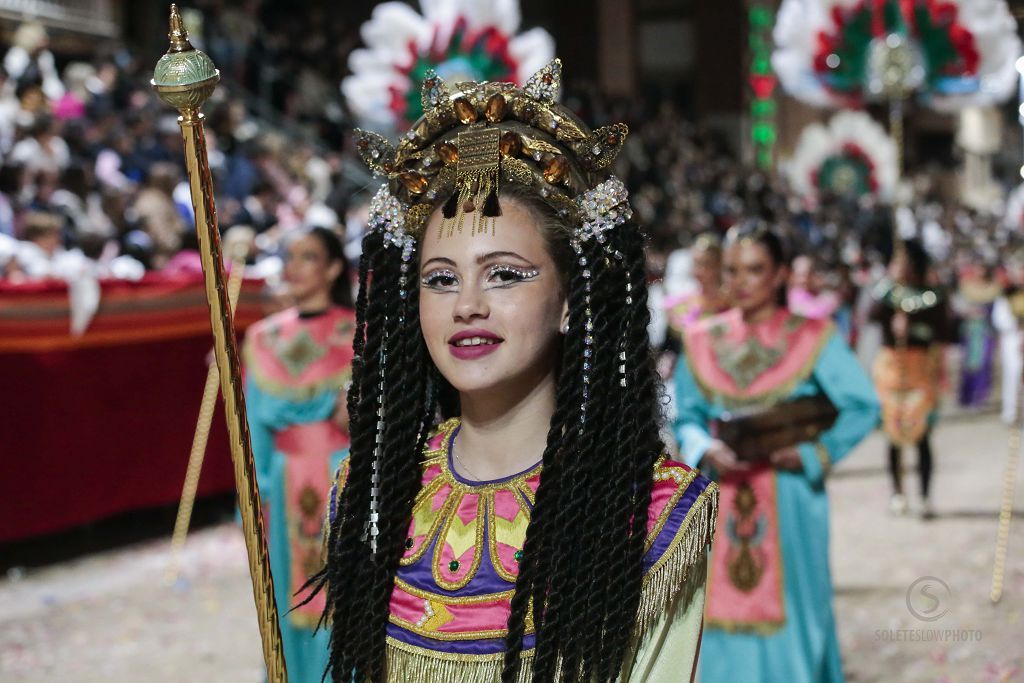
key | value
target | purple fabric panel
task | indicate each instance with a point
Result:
(674, 521)
(486, 581)
(462, 647)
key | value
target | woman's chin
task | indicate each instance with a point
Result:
(487, 383)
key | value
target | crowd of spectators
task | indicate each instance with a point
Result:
(92, 174)
(92, 169)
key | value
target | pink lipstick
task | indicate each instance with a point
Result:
(473, 344)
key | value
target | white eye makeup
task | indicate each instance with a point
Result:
(498, 277)
(441, 280)
(505, 275)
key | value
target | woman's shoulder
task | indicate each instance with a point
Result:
(439, 437)
(680, 497)
(680, 526)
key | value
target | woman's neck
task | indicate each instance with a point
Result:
(314, 303)
(711, 297)
(503, 432)
(760, 314)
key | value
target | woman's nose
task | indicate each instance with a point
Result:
(472, 303)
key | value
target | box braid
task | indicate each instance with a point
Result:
(358, 581)
(596, 486)
(639, 439)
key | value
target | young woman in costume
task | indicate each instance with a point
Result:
(916, 324)
(538, 533)
(974, 302)
(768, 616)
(297, 363)
(708, 298)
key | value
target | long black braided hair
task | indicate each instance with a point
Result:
(592, 502)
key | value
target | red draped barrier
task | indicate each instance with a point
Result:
(102, 423)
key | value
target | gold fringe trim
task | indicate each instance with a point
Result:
(670, 584)
(761, 628)
(410, 663)
(668, 576)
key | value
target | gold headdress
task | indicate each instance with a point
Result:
(478, 136)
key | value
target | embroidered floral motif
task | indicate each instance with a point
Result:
(299, 359)
(747, 361)
(296, 353)
(740, 372)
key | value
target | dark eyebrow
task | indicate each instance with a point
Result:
(481, 259)
(441, 259)
(501, 254)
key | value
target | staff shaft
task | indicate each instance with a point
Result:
(229, 369)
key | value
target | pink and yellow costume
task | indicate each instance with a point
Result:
(686, 309)
(451, 599)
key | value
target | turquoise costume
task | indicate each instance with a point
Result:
(732, 364)
(296, 366)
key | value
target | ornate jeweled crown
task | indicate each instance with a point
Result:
(477, 136)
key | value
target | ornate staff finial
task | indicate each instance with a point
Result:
(184, 77)
(178, 34)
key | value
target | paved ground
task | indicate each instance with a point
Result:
(116, 617)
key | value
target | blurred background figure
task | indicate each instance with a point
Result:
(916, 325)
(973, 304)
(298, 363)
(769, 615)
(100, 274)
(807, 293)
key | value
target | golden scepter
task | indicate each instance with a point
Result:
(185, 78)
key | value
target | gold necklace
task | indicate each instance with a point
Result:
(463, 463)
(470, 472)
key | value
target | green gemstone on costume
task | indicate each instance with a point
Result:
(453, 566)
(518, 556)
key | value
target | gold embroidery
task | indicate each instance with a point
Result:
(749, 359)
(734, 399)
(423, 514)
(661, 583)
(265, 337)
(745, 571)
(438, 616)
(468, 535)
(451, 599)
(763, 628)
(306, 543)
(513, 532)
(682, 482)
(444, 525)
